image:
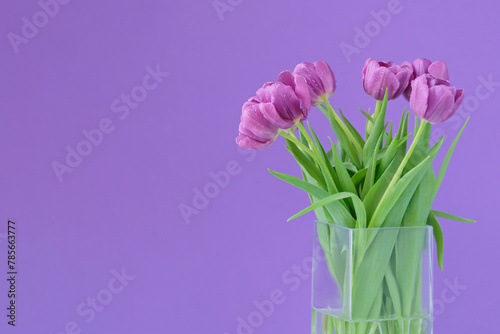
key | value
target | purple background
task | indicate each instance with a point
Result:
(120, 207)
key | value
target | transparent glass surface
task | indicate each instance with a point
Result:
(372, 281)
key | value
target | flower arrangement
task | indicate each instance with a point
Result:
(365, 181)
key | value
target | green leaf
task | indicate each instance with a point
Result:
(339, 213)
(342, 138)
(368, 116)
(446, 161)
(359, 176)
(337, 148)
(389, 138)
(404, 115)
(378, 128)
(436, 147)
(324, 156)
(354, 133)
(413, 177)
(345, 182)
(350, 167)
(421, 148)
(393, 286)
(372, 169)
(447, 215)
(373, 197)
(420, 203)
(322, 214)
(358, 206)
(319, 152)
(387, 135)
(302, 138)
(438, 236)
(387, 158)
(306, 163)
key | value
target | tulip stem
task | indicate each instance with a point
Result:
(290, 132)
(369, 124)
(401, 167)
(378, 107)
(297, 142)
(344, 127)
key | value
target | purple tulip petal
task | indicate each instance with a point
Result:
(419, 96)
(319, 78)
(302, 91)
(366, 67)
(287, 78)
(252, 144)
(300, 87)
(272, 115)
(440, 104)
(327, 78)
(434, 100)
(403, 76)
(380, 80)
(255, 125)
(286, 101)
(420, 66)
(379, 76)
(459, 96)
(438, 69)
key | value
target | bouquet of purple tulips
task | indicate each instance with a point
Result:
(368, 180)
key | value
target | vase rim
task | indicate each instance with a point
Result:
(426, 227)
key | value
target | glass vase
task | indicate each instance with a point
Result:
(372, 280)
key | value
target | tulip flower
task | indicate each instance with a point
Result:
(300, 87)
(379, 76)
(320, 80)
(285, 103)
(434, 100)
(256, 131)
(437, 69)
(277, 106)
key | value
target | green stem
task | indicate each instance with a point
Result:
(369, 124)
(401, 167)
(308, 138)
(378, 106)
(294, 140)
(344, 127)
(319, 159)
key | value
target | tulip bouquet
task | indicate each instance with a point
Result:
(364, 182)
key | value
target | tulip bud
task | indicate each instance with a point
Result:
(434, 100)
(379, 76)
(320, 80)
(437, 69)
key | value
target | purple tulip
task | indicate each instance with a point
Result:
(282, 104)
(434, 100)
(277, 105)
(256, 131)
(300, 87)
(380, 75)
(320, 80)
(437, 69)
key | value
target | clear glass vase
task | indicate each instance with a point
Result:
(372, 281)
